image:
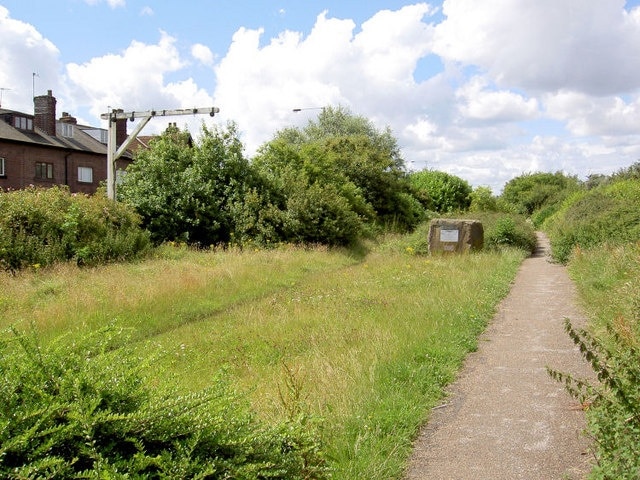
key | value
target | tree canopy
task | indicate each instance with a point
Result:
(186, 192)
(441, 191)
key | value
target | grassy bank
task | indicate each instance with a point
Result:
(608, 279)
(364, 343)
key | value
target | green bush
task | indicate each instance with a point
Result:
(533, 191)
(608, 214)
(185, 191)
(85, 408)
(43, 226)
(441, 191)
(614, 404)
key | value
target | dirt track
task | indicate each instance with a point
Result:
(505, 418)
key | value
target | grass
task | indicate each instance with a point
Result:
(364, 343)
(608, 279)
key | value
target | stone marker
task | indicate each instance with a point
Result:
(448, 235)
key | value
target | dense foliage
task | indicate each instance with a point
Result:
(345, 163)
(333, 182)
(84, 408)
(185, 191)
(39, 227)
(441, 191)
(607, 214)
(539, 193)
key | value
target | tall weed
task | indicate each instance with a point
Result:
(608, 279)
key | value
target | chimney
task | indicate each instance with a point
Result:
(45, 113)
(66, 118)
(121, 129)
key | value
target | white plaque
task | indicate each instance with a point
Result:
(449, 236)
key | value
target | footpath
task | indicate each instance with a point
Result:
(505, 417)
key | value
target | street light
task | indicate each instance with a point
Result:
(308, 108)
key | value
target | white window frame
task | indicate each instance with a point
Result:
(85, 174)
(67, 130)
(3, 172)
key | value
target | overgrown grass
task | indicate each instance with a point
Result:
(364, 343)
(608, 279)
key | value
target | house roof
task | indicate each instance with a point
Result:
(79, 140)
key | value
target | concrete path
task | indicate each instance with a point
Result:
(505, 418)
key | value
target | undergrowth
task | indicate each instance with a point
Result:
(40, 227)
(85, 408)
(587, 219)
(613, 404)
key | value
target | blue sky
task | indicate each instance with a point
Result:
(486, 90)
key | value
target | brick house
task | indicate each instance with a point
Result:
(41, 150)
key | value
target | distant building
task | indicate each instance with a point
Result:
(41, 150)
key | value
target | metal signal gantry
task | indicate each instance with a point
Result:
(114, 152)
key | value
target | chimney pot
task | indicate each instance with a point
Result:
(45, 113)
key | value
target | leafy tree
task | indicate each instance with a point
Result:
(533, 191)
(441, 191)
(368, 157)
(482, 200)
(185, 192)
(304, 198)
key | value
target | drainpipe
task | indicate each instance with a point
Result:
(66, 170)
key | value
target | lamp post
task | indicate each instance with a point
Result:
(296, 110)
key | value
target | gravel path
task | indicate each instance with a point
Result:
(505, 418)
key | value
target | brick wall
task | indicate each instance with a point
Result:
(20, 167)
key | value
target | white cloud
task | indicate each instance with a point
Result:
(146, 11)
(478, 103)
(371, 71)
(133, 79)
(23, 51)
(588, 116)
(203, 54)
(111, 3)
(592, 46)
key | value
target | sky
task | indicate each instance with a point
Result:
(486, 90)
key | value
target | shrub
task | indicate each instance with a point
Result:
(614, 404)
(84, 409)
(532, 191)
(482, 200)
(185, 191)
(608, 214)
(43, 226)
(441, 191)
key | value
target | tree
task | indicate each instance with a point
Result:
(302, 197)
(441, 191)
(533, 191)
(482, 200)
(185, 192)
(346, 156)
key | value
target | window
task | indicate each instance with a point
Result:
(23, 123)
(85, 174)
(67, 130)
(44, 171)
(2, 171)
